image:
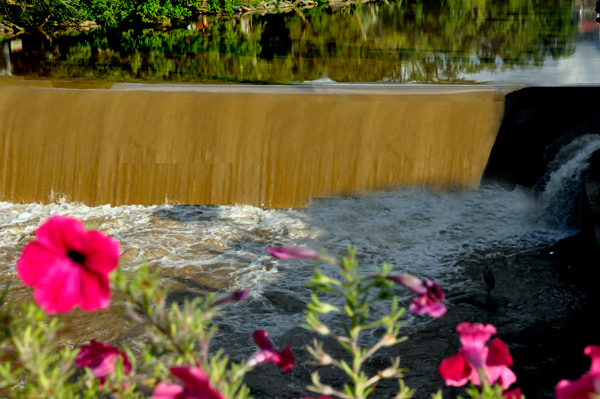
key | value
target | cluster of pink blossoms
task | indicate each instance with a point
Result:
(68, 266)
(430, 297)
(475, 358)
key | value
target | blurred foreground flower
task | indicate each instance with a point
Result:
(430, 296)
(197, 385)
(588, 386)
(292, 253)
(69, 266)
(101, 359)
(237, 296)
(268, 354)
(492, 360)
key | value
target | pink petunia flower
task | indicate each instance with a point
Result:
(320, 397)
(237, 296)
(430, 296)
(196, 385)
(267, 354)
(69, 266)
(493, 360)
(101, 359)
(292, 253)
(588, 384)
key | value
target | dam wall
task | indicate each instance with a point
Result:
(273, 146)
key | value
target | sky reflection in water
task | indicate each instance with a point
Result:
(454, 41)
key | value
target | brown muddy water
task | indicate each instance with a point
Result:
(270, 147)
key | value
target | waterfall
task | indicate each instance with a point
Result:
(560, 200)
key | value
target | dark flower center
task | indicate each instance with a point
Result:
(76, 257)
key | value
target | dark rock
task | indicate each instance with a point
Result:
(534, 118)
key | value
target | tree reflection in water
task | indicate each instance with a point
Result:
(415, 41)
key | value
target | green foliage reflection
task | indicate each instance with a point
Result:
(419, 41)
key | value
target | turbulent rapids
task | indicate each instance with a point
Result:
(222, 248)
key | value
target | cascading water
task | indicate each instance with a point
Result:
(560, 199)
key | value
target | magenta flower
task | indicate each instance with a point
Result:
(430, 296)
(101, 359)
(589, 383)
(69, 266)
(237, 296)
(292, 253)
(493, 360)
(268, 354)
(197, 385)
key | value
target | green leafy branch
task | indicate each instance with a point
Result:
(358, 292)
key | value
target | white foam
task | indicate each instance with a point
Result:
(560, 199)
(415, 230)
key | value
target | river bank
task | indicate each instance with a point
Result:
(84, 21)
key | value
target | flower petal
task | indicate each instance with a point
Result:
(237, 296)
(475, 334)
(101, 252)
(262, 339)
(475, 355)
(583, 388)
(194, 378)
(502, 374)
(286, 362)
(101, 358)
(95, 291)
(434, 291)
(197, 383)
(60, 233)
(35, 261)
(423, 305)
(499, 355)
(59, 291)
(409, 281)
(167, 391)
(292, 253)
(593, 351)
(455, 370)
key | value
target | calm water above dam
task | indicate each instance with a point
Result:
(456, 41)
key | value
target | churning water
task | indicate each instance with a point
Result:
(222, 248)
(561, 196)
